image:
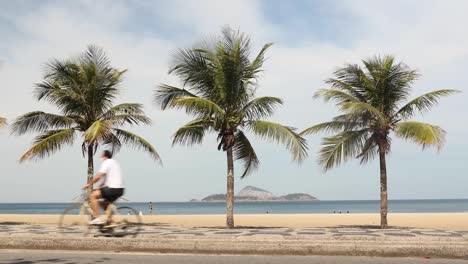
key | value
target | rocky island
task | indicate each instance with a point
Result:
(254, 194)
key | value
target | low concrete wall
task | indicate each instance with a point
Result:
(252, 245)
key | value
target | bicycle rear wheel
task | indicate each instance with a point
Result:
(74, 220)
(128, 222)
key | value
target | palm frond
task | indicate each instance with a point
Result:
(126, 108)
(192, 132)
(256, 65)
(194, 68)
(97, 56)
(423, 134)
(136, 142)
(49, 142)
(128, 113)
(351, 79)
(332, 126)
(58, 93)
(337, 95)
(98, 131)
(197, 106)
(392, 81)
(113, 142)
(423, 103)
(361, 108)
(129, 119)
(244, 151)
(281, 134)
(165, 94)
(40, 121)
(341, 147)
(369, 149)
(261, 107)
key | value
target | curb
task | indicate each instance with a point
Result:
(236, 245)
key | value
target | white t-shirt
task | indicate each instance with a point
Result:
(113, 173)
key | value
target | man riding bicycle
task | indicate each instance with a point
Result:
(110, 189)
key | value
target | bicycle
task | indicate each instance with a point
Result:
(121, 221)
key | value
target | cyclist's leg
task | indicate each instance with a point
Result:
(106, 204)
(94, 201)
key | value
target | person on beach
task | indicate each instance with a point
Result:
(111, 187)
(150, 208)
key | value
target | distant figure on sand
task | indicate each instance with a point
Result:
(150, 208)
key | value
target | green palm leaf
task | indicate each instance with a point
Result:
(49, 142)
(370, 149)
(423, 103)
(198, 106)
(421, 133)
(341, 147)
(192, 132)
(129, 119)
(351, 79)
(337, 95)
(165, 94)
(98, 131)
(256, 65)
(362, 109)
(281, 134)
(70, 102)
(113, 142)
(261, 107)
(39, 122)
(127, 108)
(195, 68)
(333, 126)
(136, 142)
(244, 151)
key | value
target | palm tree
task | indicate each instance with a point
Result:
(372, 101)
(84, 90)
(220, 82)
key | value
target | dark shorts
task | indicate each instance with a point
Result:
(111, 194)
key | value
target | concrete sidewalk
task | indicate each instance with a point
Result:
(313, 241)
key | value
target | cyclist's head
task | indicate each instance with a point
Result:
(106, 154)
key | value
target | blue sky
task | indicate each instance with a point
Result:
(311, 39)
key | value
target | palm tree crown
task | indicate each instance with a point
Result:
(374, 102)
(84, 90)
(220, 82)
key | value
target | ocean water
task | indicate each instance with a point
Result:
(277, 207)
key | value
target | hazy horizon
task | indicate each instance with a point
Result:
(311, 39)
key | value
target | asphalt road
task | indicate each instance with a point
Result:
(75, 257)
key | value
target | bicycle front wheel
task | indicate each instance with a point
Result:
(129, 222)
(74, 220)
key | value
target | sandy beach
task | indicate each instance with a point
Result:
(444, 221)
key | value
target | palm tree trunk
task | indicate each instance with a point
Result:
(230, 189)
(383, 187)
(90, 166)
